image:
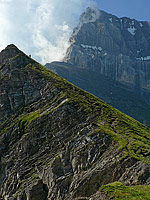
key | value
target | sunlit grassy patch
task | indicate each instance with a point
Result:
(118, 191)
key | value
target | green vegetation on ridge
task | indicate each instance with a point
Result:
(118, 95)
(132, 137)
(28, 118)
(129, 136)
(118, 191)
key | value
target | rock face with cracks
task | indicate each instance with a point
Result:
(59, 142)
(116, 47)
(110, 57)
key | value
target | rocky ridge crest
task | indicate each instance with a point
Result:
(59, 142)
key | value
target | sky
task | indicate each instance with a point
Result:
(42, 27)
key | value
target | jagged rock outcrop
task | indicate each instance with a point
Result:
(116, 47)
(59, 142)
(17, 86)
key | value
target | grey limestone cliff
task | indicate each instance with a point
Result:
(116, 47)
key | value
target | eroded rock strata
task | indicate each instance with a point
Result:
(59, 142)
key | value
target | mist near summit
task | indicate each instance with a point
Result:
(40, 27)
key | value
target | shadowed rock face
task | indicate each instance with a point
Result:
(59, 142)
(17, 86)
(116, 47)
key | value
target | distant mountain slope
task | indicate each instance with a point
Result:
(118, 95)
(59, 142)
(117, 48)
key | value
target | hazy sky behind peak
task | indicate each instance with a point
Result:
(137, 9)
(42, 27)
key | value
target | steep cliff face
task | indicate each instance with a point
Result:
(59, 142)
(116, 47)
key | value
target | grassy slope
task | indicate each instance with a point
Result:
(132, 137)
(118, 191)
(114, 93)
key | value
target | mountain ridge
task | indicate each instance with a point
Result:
(62, 142)
(116, 94)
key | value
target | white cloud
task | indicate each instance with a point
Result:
(40, 27)
(5, 1)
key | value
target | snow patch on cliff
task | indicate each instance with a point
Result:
(132, 30)
(143, 58)
(111, 20)
(91, 47)
(141, 24)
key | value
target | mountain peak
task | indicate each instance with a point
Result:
(90, 15)
(12, 55)
(11, 48)
(9, 52)
(60, 142)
